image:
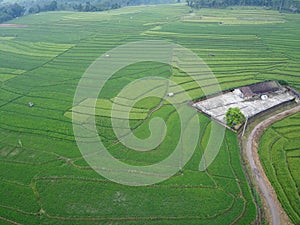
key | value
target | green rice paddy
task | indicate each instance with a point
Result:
(43, 176)
(280, 155)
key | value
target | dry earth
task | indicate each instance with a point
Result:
(12, 25)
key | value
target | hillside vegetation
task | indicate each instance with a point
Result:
(280, 155)
(280, 5)
(10, 9)
(44, 178)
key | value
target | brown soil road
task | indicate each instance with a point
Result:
(276, 213)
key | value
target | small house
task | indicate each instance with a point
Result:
(259, 89)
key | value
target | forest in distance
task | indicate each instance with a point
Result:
(280, 5)
(13, 9)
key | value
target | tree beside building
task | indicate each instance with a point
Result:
(234, 117)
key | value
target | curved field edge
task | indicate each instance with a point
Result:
(46, 161)
(279, 153)
(65, 192)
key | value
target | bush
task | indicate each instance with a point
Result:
(234, 117)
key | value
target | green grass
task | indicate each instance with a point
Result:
(235, 17)
(280, 155)
(49, 179)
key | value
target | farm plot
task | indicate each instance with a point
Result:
(234, 17)
(45, 179)
(8, 73)
(280, 155)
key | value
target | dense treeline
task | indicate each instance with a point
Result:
(10, 11)
(281, 5)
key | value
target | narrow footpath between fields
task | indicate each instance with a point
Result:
(275, 213)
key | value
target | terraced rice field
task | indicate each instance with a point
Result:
(280, 155)
(44, 178)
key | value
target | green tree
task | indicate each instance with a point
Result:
(11, 11)
(52, 6)
(234, 117)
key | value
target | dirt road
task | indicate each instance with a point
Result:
(276, 213)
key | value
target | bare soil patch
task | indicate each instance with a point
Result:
(12, 25)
